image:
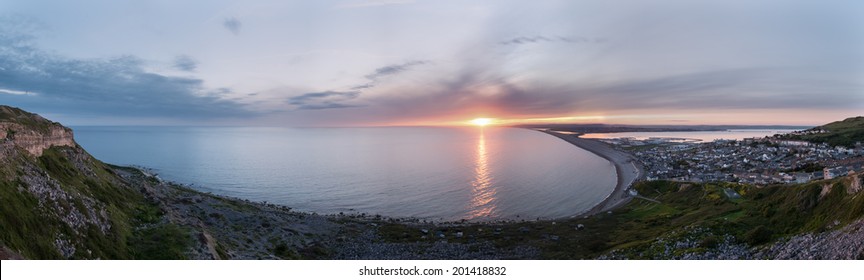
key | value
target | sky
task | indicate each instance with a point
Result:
(404, 62)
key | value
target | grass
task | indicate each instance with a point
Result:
(137, 228)
(29, 120)
(840, 133)
(761, 215)
(23, 229)
(650, 210)
(163, 242)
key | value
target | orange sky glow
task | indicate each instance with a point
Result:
(808, 117)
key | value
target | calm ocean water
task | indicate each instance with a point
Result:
(431, 173)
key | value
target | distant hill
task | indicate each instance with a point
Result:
(846, 133)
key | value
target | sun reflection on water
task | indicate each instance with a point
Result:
(483, 200)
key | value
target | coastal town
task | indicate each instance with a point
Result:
(759, 161)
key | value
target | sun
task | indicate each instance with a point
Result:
(481, 121)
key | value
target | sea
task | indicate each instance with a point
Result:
(429, 173)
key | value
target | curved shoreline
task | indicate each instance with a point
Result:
(627, 170)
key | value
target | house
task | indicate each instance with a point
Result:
(801, 178)
(827, 174)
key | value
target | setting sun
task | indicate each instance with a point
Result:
(481, 121)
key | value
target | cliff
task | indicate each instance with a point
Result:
(31, 132)
(56, 201)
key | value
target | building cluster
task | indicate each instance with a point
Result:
(753, 161)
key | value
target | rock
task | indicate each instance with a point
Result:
(34, 140)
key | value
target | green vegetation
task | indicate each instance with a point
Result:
(696, 211)
(284, 252)
(761, 215)
(162, 242)
(22, 228)
(808, 167)
(29, 120)
(841, 133)
(93, 214)
(131, 226)
(758, 235)
(640, 148)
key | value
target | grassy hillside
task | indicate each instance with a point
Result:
(700, 216)
(30, 120)
(840, 133)
(66, 204)
(761, 215)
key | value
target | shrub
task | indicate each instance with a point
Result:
(758, 235)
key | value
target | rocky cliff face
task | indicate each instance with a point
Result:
(31, 132)
(34, 142)
(56, 201)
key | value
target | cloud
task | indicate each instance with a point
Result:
(185, 63)
(116, 87)
(548, 58)
(372, 3)
(324, 100)
(232, 24)
(389, 70)
(484, 93)
(543, 39)
(336, 99)
(491, 93)
(393, 69)
(15, 92)
(747, 88)
(363, 86)
(662, 61)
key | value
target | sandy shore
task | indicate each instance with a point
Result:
(627, 168)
